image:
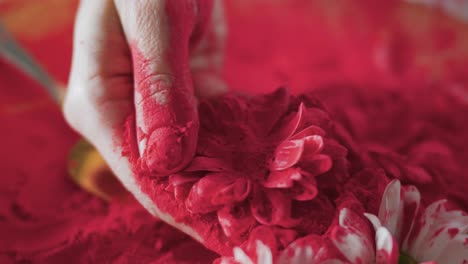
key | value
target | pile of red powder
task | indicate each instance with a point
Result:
(278, 167)
(411, 126)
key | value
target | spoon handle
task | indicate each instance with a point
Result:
(18, 56)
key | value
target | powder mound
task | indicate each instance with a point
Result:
(273, 162)
(257, 164)
(278, 167)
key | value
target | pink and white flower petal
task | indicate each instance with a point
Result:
(412, 203)
(353, 239)
(235, 220)
(312, 145)
(297, 255)
(241, 257)
(438, 227)
(295, 123)
(386, 247)
(311, 249)
(391, 208)
(309, 131)
(287, 154)
(430, 235)
(282, 179)
(264, 255)
(375, 221)
(227, 187)
(456, 251)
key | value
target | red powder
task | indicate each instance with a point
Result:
(410, 126)
(167, 121)
(291, 166)
(46, 218)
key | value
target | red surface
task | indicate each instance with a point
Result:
(302, 44)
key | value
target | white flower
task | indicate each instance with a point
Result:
(350, 241)
(435, 234)
(264, 255)
(296, 253)
(352, 237)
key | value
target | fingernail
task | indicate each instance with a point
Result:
(163, 153)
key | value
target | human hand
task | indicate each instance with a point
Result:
(150, 58)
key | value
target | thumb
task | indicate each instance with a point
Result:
(166, 113)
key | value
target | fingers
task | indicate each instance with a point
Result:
(99, 97)
(99, 94)
(159, 34)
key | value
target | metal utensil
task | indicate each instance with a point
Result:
(15, 54)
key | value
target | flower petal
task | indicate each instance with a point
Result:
(295, 123)
(312, 145)
(180, 184)
(225, 185)
(235, 220)
(386, 247)
(287, 154)
(241, 257)
(234, 192)
(391, 208)
(282, 179)
(272, 237)
(272, 207)
(264, 255)
(411, 201)
(263, 252)
(374, 220)
(456, 251)
(309, 131)
(305, 190)
(438, 228)
(352, 238)
(295, 254)
(316, 165)
(180, 179)
(423, 226)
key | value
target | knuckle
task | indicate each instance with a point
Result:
(154, 87)
(79, 104)
(70, 109)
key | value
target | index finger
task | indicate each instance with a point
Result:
(166, 113)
